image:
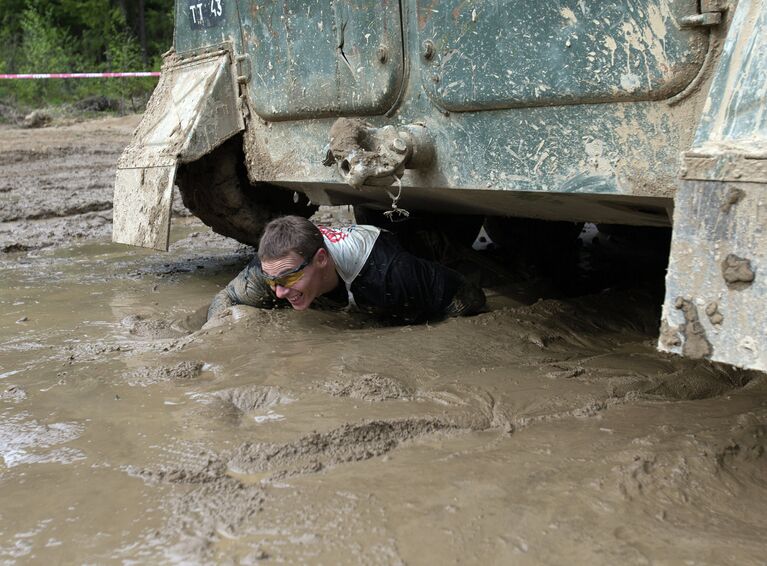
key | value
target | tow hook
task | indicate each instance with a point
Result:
(365, 155)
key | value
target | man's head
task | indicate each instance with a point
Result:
(295, 261)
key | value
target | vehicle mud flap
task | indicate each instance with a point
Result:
(193, 110)
(717, 276)
(716, 284)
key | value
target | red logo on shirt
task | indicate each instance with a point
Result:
(333, 236)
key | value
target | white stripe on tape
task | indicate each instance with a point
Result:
(80, 75)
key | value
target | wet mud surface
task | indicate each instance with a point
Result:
(545, 431)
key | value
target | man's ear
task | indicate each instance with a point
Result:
(322, 257)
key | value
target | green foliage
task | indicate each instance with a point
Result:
(124, 54)
(43, 36)
(45, 49)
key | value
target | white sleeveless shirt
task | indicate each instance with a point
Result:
(350, 248)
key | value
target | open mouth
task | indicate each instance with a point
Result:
(293, 299)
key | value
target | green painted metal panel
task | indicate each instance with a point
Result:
(736, 111)
(203, 23)
(488, 54)
(305, 63)
(323, 57)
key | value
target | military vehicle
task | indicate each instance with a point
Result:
(631, 112)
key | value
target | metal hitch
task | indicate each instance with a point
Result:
(366, 155)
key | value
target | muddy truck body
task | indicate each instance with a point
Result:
(632, 112)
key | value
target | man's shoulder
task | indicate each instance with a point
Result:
(338, 234)
(350, 247)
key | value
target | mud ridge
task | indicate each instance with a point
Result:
(590, 409)
(732, 465)
(252, 397)
(241, 405)
(317, 451)
(204, 515)
(99, 206)
(371, 387)
(209, 468)
(27, 156)
(152, 328)
(182, 371)
(13, 393)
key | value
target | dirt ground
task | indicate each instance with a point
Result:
(545, 431)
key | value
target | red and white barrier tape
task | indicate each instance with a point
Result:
(80, 75)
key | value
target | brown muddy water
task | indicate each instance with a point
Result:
(546, 431)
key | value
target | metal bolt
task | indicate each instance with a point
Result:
(398, 145)
(428, 49)
(383, 54)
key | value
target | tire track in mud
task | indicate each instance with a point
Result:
(353, 442)
(56, 183)
(222, 498)
(219, 494)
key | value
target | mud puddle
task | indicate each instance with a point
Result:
(542, 432)
(530, 434)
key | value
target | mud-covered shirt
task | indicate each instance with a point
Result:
(392, 283)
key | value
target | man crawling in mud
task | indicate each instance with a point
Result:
(358, 267)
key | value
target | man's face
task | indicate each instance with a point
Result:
(302, 292)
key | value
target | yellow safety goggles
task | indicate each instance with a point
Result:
(291, 277)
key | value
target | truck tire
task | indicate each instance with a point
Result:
(216, 189)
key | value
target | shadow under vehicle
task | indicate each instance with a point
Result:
(633, 112)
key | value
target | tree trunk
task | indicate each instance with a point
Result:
(142, 32)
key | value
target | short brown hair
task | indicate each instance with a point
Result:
(289, 234)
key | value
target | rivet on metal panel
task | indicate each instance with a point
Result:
(428, 49)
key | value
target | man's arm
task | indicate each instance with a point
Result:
(248, 288)
(468, 299)
(429, 289)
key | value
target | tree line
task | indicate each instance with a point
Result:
(57, 36)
